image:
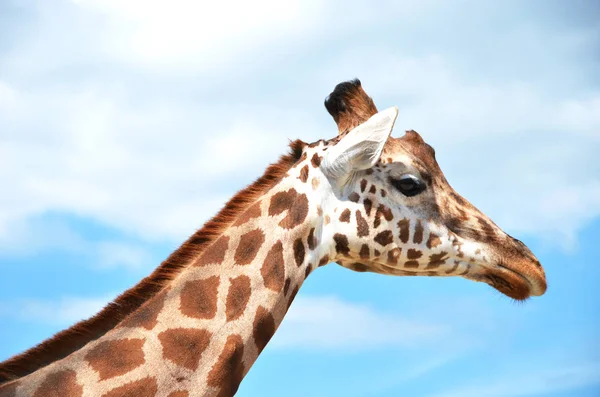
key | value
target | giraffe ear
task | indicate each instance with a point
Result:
(361, 147)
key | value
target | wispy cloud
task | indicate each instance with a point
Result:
(62, 312)
(328, 322)
(148, 132)
(195, 35)
(114, 254)
(54, 234)
(532, 382)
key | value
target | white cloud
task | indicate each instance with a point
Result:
(62, 312)
(561, 378)
(327, 322)
(112, 254)
(411, 369)
(33, 236)
(147, 117)
(197, 34)
(41, 235)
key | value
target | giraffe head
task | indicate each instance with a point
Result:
(389, 209)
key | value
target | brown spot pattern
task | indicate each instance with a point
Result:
(116, 357)
(60, 384)
(418, 237)
(228, 371)
(312, 241)
(362, 227)
(299, 252)
(435, 260)
(307, 270)
(393, 256)
(198, 298)
(373, 189)
(345, 216)
(384, 238)
(264, 328)
(146, 316)
(273, 268)
(286, 286)
(248, 247)
(368, 205)
(341, 244)
(354, 197)
(365, 252)
(282, 201)
(404, 226)
(252, 212)
(433, 240)
(146, 387)
(184, 346)
(411, 264)
(359, 267)
(324, 260)
(304, 174)
(413, 253)
(363, 185)
(238, 296)
(215, 253)
(297, 212)
(384, 211)
(315, 160)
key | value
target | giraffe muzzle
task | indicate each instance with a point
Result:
(517, 279)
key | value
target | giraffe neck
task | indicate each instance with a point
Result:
(204, 330)
(230, 302)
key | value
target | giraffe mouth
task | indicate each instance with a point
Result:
(509, 282)
(501, 277)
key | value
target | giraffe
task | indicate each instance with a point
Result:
(195, 326)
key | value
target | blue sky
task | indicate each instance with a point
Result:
(114, 117)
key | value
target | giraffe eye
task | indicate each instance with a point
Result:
(408, 185)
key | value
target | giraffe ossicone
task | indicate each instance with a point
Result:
(195, 326)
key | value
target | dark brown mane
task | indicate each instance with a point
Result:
(66, 342)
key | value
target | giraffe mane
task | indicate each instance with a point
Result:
(72, 339)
